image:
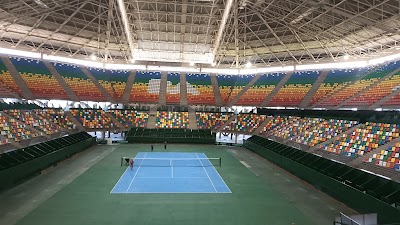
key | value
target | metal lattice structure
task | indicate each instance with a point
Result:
(227, 32)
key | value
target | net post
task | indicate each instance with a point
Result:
(220, 162)
(121, 160)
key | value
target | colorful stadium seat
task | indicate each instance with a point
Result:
(173, 93)
(260, 90)
(93, 118)
(82, 86)
(240, 82)
(376, 93)
(39, 79)
(208, 120)
(246, 123)
(393, 101)
(387, 158)
(335, 80)
(295, 89)
(146, 87)
(42, 125)
(8, 86)
(114, 82)
(225, 84)
(323, 131)
(199, 89)
(131, 118)
(359, 85)
(172, 119)
(292, 126)
(13, 129)
(57, 116)
(364, 139)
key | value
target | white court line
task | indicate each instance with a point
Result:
(220, 177)
(206, 173)
(119, 179)
(172, 169)
(170, 177)
(135, 174)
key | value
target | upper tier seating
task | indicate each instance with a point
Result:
(324, 131)
(295, 89)
(114, 82)
(8, 86)
(42, 125)
(387, 158)
(246, 122)
(82, 86)
(39, 79)
(207, 120)
(352, 89)
(335, 80)
(146, 87)
(225, 84)
(240, 82)
(92, 118)
(261, 89)
(364, 139)
(394, 101)
(199, 89)
(131, 118)
(172, 119)
(13, 129)
(57, 116)
(374, 94)
(173, 94)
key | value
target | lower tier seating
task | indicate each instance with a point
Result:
(131, 118)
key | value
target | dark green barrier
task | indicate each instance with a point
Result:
(33, 159)
(140, 135)
(364, 192)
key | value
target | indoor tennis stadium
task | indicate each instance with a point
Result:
(199, 112)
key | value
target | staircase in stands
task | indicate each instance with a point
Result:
(163, 89)
(268, 99)
(307, 99)
(183, 90)
(26, 92)
(343, 103)
(192, 118)
(217, 94)
(247, 87)
(128, 87)
(97, 84)
(61, 81)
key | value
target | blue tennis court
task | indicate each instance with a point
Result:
(171, 172)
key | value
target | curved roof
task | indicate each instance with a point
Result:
(175, 31)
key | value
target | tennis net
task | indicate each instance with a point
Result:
(176, 162)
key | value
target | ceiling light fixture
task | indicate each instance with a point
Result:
(93, 57)
(346, 57)
(248, 64)
(191, 63)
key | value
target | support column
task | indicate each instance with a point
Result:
(184, 98)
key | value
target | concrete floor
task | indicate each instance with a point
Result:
(17, 202)
(321, 207)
